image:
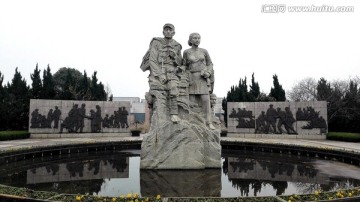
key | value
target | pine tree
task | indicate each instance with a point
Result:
(277, 92)
(18, 103)
(36, 84)
(254, 89)
(101, 92)
(94, 86)
(48, 91)
(97, 90)
(323, 90)
(3, 121)
(67, 87)
(84, 87)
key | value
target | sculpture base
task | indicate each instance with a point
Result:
(188, 144)
(181, 146)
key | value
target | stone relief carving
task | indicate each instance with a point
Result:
(279, 120)
(312, 117)
(41, 121)
(244, 117)
(117, 120)
(78, 117)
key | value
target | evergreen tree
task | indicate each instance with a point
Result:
(84, 86)
(36, 84)
(323, 90)
(352, 108)
(67, 88)
(277, 92)
(48, 90)
(94, 86)
(97, 90)
(18, 103)
(101, 92)
(254, 88)
(2, 104)
(236, 94)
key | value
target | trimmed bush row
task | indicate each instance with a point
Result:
(13, 135)
(342, 136)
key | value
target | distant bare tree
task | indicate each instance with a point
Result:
(108, 91)
(304, 90)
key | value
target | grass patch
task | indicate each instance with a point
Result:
(343, 136)
(13, 135)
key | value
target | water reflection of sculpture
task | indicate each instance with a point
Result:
(199, 63)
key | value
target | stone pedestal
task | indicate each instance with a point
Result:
(188, 144)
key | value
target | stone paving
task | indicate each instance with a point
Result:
(41, 142)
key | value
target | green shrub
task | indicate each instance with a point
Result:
(342, 136)
(13, 135)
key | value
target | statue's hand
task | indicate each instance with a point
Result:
(206, 75)
(162, 79)
(181, 68)
(172, 54)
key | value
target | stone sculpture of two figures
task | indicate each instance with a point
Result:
(184, 132)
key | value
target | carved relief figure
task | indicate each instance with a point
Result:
(35, 119)
(81, 116)
(271, 116)
(198, 62)
(56, 116)
(313, 119)
(123, 118)
(244, 117)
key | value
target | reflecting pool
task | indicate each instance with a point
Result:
(243, 173)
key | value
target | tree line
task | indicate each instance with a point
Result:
(240, 93)
(342, 97)
(65, 84)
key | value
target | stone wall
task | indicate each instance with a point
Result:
(275, 118)
(73, 116)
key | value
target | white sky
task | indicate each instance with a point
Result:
(111, 37)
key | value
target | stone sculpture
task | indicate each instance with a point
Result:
(184, 132)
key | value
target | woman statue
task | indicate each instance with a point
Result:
(198, 62)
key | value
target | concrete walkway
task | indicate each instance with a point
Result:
(31, 143)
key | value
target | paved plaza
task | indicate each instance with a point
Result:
(42, 142)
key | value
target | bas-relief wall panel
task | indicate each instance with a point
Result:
(293, 118)
(74, 116)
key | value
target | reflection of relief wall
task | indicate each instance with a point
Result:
(304, 118)
(274, 170)
(76, 171)
(73, 116)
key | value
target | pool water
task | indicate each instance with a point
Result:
(243, 173)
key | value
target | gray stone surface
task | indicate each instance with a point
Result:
(65, 106)
(314, 124)
(185, 145)
(184, 132)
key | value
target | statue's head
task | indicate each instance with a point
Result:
(168, 31)
(194, 38)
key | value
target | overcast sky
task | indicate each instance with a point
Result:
(111, 37)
